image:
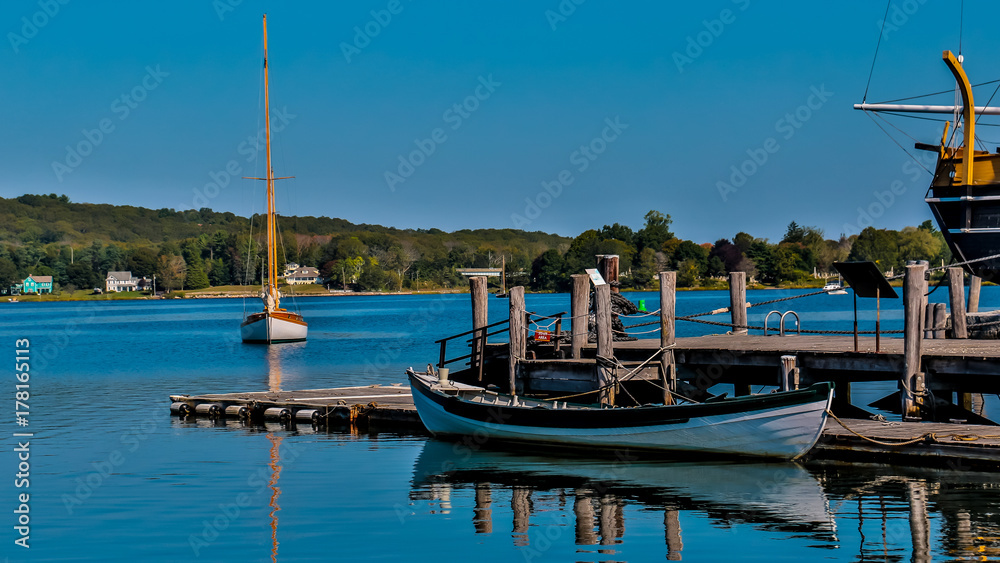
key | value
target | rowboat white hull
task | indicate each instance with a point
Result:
(270, 328)
(781, 425)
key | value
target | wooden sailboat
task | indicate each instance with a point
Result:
(273, 324)
(964, 195)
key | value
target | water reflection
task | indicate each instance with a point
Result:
(275, 492)
(783, 497)
(877, 512)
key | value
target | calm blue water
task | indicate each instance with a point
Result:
(114, 477)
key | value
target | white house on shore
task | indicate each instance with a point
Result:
(302, 275)
(120, 281)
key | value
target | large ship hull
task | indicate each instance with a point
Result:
(970, 224)
(273, 327)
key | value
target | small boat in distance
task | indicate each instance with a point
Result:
(835, 288)
(273, 324)
(782, 425)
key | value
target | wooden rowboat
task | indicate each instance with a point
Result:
(781, 425)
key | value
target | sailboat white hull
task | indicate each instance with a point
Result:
(273, 327)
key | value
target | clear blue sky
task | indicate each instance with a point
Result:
(176, 85)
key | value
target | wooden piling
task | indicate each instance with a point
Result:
(911, 380)
(789, 373)
(929, 321)
(579, 307)
(608, 266)
(956, 293)
(940, 319)
(605, 342)
(480, 318)
(975, 282)
(668, 307)
(518, 334)
(738, 301)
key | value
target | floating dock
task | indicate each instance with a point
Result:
(390, 405)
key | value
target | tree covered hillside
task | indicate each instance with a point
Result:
(78, 243)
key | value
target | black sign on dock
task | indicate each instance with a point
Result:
(867, 281)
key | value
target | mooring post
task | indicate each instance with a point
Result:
(929, 321)
(956, 293)
(608, 266)
(605, 343)
(668, 306)
(480, 304)
(975, 282)
(578, 309)
(789, 373)
(940, 319)
(911, 380)
(518, 335)
(738, 301)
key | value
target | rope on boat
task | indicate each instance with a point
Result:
(927, 437)
(614, 363)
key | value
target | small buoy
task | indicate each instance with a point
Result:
(181, 409)
(277, 413)
(237, 411)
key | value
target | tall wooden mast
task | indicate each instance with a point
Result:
(272, 267)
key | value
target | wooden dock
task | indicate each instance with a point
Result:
(391, 408)
(937, 377)
(371, 404)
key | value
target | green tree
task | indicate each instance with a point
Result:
(8, 274)
(81, 274)
(372, 277)
(547, 271)
(172, 270)
(655, 232)
(876, 245)
(688, 273)
(218, 273)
